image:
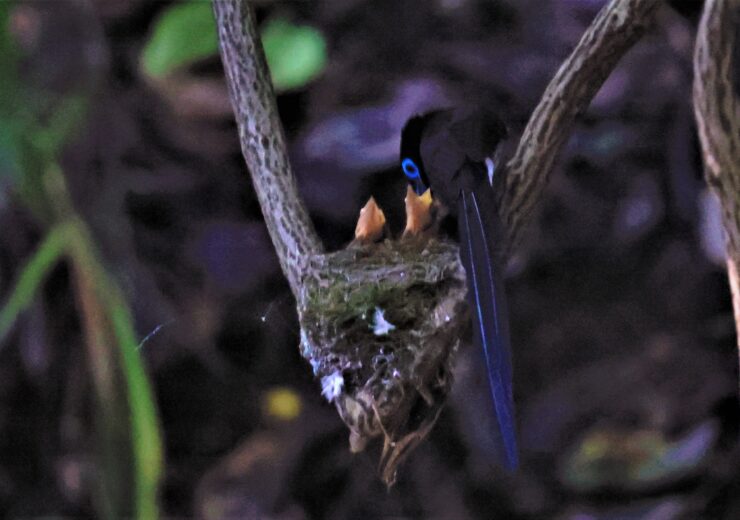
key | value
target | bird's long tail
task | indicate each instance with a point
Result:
(488, 305)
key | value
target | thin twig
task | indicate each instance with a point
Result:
(262, 139)
(615, 29)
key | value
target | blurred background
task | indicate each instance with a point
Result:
(132, 246)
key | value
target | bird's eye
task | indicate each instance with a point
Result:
(410, 168)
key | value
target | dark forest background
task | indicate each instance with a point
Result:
(623, 339)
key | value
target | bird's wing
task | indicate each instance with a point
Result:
(490, 321)
(476, 131)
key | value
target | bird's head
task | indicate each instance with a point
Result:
(411, 162)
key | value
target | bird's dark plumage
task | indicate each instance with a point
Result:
(453, 152)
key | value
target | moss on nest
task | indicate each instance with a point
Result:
(388, 381)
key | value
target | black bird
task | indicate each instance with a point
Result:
(453, 152)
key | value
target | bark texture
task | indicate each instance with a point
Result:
(612, 33)
(263, 140)
(718, 121)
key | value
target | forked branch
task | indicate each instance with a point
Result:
(394, 385)
(615, 29)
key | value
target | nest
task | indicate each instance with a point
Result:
(380, 325)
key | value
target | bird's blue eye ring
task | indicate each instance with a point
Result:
(410, 168)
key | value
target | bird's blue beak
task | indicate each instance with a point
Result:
(418, 186)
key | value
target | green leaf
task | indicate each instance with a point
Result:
(34, 125)
(295, 54)
(144, 422)
(32, 276)
(8, 51)
(127, 412)
(9, 161)
(184, 33)
(66, 119)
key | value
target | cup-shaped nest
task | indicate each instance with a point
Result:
(380, 325)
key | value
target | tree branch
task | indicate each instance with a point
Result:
(262, 139)
(614, 30)
(716, 111)
(394, 384)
